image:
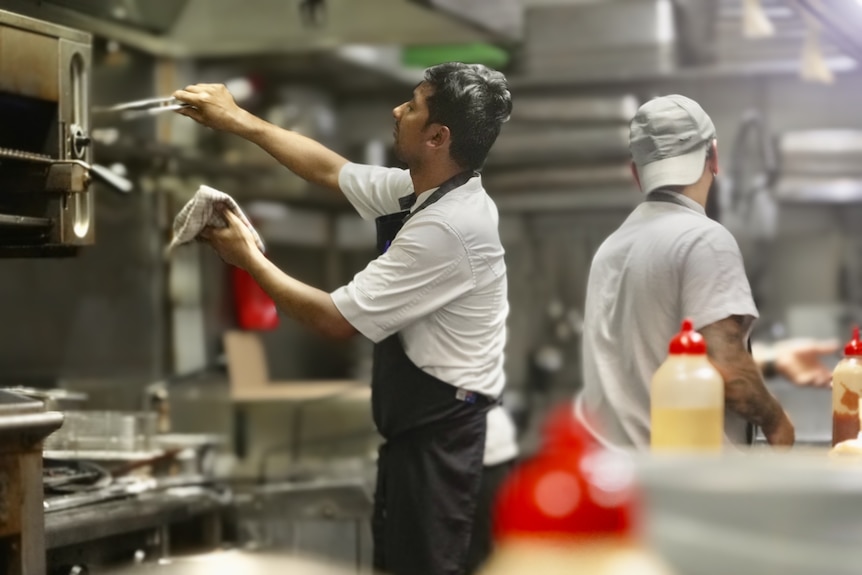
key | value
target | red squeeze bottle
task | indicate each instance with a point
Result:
(570, 509)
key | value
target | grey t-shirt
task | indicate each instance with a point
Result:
(666, 262)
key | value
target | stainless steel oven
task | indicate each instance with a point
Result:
(46, 200)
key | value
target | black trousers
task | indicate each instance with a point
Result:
(481, 542)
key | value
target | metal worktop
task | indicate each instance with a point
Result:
(135, 513)
(319, 517)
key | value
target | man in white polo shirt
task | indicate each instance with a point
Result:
(669, 261)
(434, 302)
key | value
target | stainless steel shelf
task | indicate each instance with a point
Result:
(608, 78)
(598, 198)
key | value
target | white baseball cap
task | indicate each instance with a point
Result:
(669, 140)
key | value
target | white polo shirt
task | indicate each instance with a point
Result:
(666, 262)
(441, 286)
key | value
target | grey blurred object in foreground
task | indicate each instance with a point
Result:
(794, 513)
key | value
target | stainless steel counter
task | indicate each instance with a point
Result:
(322, 517)
(116, 517)
(319, 517)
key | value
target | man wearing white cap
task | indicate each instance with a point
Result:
(668, 261)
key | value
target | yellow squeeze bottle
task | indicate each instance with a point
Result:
(687, 398)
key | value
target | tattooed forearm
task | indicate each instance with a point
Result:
(744, 390)
(747, 395)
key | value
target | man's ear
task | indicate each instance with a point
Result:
(636, 176)
(713, 158)
(439, 137)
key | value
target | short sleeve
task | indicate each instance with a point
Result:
(374, 190)
(714, 284)
(424, 269)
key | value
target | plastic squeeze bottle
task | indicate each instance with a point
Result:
(846, 391)
(687, 398)
(573, 508)
(849, 447)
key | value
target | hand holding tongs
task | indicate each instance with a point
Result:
(142, 108)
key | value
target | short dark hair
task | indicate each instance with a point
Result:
(473, 101)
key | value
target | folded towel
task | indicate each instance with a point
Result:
(200, 212)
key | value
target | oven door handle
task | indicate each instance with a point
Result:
(110, 177)
(64, 179)
(65, 176)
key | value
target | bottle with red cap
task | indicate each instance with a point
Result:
(846, 391)
(573, 508)
(687, 398)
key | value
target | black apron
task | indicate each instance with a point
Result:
(430, 466)
(666, 196)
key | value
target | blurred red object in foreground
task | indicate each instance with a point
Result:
(572, 487)
(572, 508)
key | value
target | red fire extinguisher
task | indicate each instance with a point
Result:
(255, 310)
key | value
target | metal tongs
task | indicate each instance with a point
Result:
(142, 108)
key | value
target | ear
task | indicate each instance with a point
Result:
(439, 136)
(636, 176)
(713, 160)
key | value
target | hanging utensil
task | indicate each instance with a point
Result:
(141, 108)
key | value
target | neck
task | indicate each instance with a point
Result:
(432, 175)
(699, 190)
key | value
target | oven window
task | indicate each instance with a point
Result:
(25, 124)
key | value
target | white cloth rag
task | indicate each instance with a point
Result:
(200, 212)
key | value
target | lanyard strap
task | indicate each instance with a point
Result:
(455, 181)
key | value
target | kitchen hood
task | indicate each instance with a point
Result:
(229, 28)
(500, 17)
(157, 16)
(841, 21)
(582, 42)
